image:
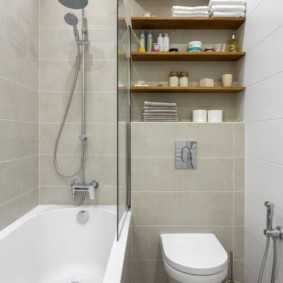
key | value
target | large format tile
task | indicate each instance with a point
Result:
(19, 140)
(101, 168)
(159, 174)
(17, 65)
(100, 107)
(171, 208)
(101, 139)
(59, 44)
(18, 102)
(158, 139)
(59, 75)
(18, 177)
(11, 211)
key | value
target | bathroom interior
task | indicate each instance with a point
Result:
(95, 190)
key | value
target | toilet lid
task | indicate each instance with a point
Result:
(198, 254)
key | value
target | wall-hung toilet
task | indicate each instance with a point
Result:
(194, 258)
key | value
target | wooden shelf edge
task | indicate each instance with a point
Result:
(167, 89)
(187, 56)
(186, 23)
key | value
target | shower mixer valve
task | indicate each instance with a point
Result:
(89, 188)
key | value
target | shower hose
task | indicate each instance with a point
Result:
(264, 260)
(83, 141)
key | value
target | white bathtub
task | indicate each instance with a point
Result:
(49, 245)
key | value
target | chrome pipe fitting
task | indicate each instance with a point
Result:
(89, 188)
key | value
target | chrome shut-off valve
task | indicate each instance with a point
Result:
(89, 188)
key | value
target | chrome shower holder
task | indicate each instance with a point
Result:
(274, 233)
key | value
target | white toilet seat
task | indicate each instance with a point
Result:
(197, 258)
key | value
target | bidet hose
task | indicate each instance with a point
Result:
(274, 260)
(264, 260)
(63, 124)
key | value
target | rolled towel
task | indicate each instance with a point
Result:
(190, 14)
(228, 8)
(228, 14)
(190, 9)
(227, 2)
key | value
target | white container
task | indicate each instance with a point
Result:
(206, 82)
(184, 78)
(215, 116)
(173, 79)
(227, 80)
(160, 42)
(199, 116)
(166, 43)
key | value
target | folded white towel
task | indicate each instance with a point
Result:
(190, 9)
(227, 14)
(162, 104)
(227, 2)
(228, 8)
(190, 14)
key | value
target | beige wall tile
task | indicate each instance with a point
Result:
(20, 140)
(11, 211)
(159, 208)
(212, 174)
(239, 208)
(63, 196)
(150, 271)
(146, 239)
(239, 136)
(239, 241)
(101, 139)
(239, 171)
(100, 108)
(239, 267)
(18, 102)
(19, 27)
(101, 14)
(59, 75)
(59, 44)
(16, 64)
(101, 168)
(18, 177)
(158, 139)
(29, 8)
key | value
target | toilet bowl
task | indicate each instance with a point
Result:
(194, 258)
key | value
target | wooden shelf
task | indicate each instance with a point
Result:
(190, 89)
(187, 56)
(186, 23)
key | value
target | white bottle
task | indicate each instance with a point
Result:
(166, 43)
(160, 42)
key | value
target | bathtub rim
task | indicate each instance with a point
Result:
(43, 209)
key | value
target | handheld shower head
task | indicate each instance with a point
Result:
(74, 4)
(269, 215)
(71, 19)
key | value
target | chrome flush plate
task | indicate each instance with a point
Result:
(185, 154)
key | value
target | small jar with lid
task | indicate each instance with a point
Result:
(184, 78)
(173, 79)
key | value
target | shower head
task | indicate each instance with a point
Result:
(71, 19)
(74, 4)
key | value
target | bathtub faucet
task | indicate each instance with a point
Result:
(82, 187)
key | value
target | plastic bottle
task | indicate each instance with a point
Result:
(142, 42)
(149, 42)
(166, 43)
(233, 45)
(160, 42)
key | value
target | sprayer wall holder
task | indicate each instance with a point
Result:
(274, 233)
